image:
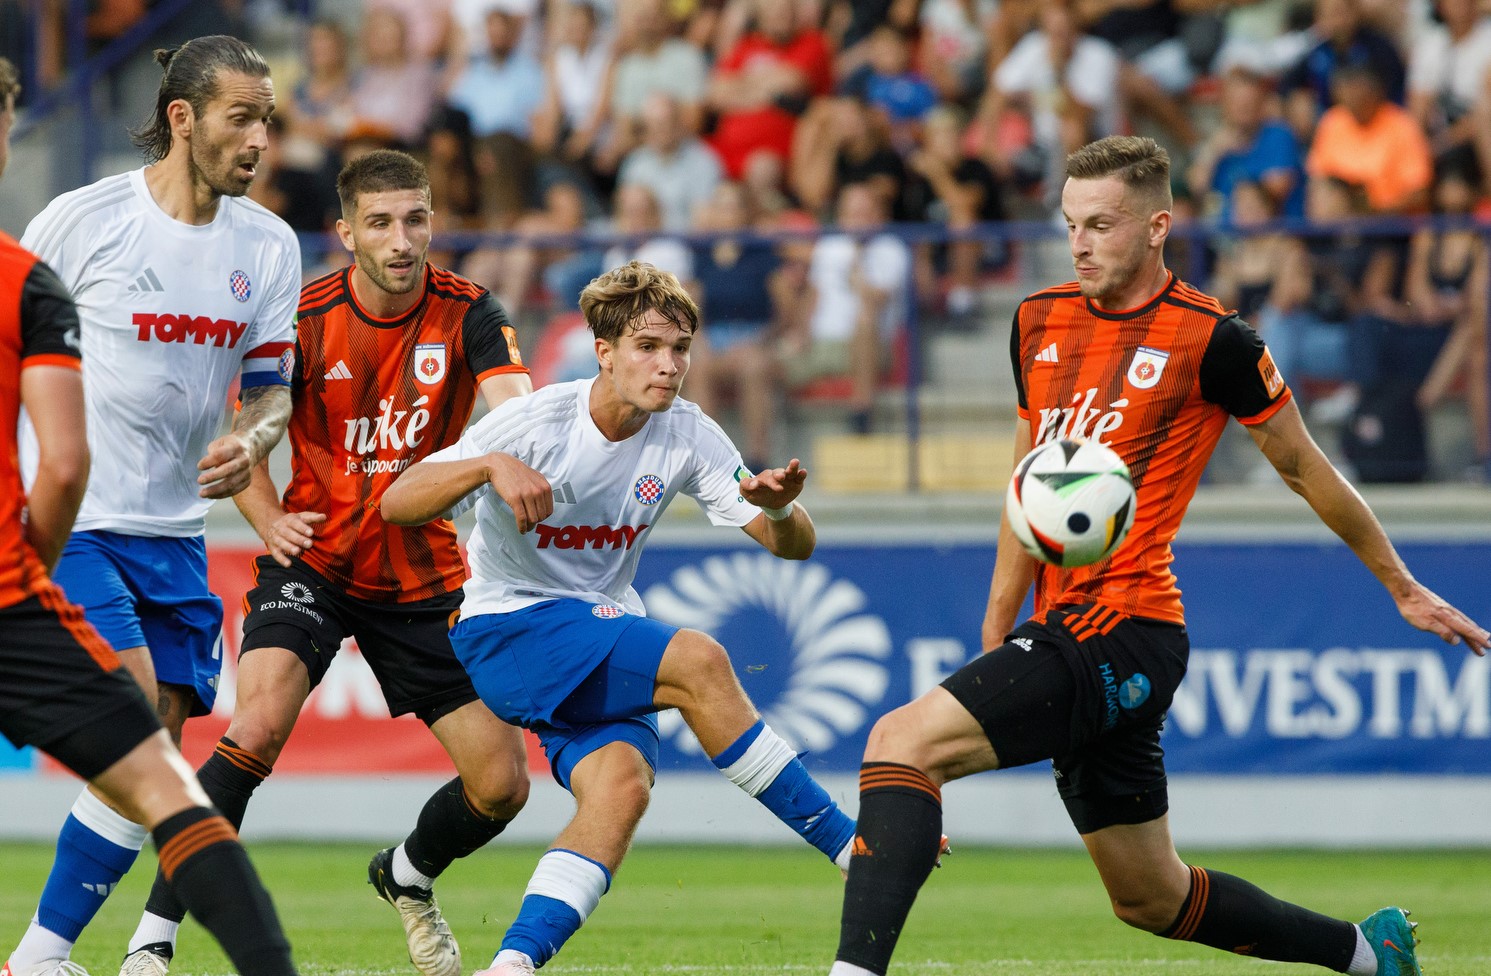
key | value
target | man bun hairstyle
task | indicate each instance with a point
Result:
(617, 300)
(380, 171)
(1142, 164)
(192, 72)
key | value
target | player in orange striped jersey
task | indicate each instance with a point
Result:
(390, 354)
(62, 688)
(1151, 367)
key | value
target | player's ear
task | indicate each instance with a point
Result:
(1159, 227)
(181, 117)
(344, 231)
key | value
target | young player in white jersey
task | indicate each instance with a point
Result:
(551, 631)
(181, 288)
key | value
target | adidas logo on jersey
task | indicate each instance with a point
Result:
(339, 372)
(147, 281)
(564, 495)
(1048, 355)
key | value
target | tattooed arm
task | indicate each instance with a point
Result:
(230, 460)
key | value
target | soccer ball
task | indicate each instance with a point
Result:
(1070, 502)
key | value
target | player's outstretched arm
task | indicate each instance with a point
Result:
(1289, 447)
(53, 398)
(1014, 569)
(229, 462)
(431, 489)
(784, 527)
(285, 534)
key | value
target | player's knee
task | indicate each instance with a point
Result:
(258, 734)
(1148, 913)
(500, 792)
(897, 737)
(705, 664)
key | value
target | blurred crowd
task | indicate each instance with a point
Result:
(1291, 124)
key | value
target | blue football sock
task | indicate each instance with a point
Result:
(94, 850)
(763, 765)
(564, 890)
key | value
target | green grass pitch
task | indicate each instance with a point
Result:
(720, 911)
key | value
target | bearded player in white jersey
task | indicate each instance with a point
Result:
(182, 286)
(567, 482)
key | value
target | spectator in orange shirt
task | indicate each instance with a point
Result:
(1367, 140)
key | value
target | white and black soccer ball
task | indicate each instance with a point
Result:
(1071, 502)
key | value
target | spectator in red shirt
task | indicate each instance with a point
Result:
(764, 82)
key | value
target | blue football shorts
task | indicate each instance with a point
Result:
(150, 591)
(580, 675)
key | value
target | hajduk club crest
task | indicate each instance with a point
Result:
(429, 362)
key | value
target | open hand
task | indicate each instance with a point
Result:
(774, 487)
(1428, 611)
(292, 534)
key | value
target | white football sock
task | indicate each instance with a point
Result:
(761, 763)
(38, 947)
(571, 878)
(153, 929)
(848, 969)
(406, 874)
(1364, 960)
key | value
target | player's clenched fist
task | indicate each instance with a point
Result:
(526, 492)
(225, 467)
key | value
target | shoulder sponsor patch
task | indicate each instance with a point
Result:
(1273, 380)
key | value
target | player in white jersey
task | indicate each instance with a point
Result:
(182, 286)
(551, 631)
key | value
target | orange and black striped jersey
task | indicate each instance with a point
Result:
(38, 327)
(1156, 384)
(373, 396)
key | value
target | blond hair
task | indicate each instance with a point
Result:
(618, 299)
(1140, 162)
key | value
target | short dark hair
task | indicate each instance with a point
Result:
(1139, 161)
(378, 172)
(192, 72)
(10, 82)
(617, 300)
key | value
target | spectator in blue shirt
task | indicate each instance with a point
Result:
(1250, 147)
(502, 86)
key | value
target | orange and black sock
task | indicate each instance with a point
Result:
(896, 843)
(202, 860)
(449, 826)
(1226, 912)
(229, 777)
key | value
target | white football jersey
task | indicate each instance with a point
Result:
(171, 314)
(607, 496)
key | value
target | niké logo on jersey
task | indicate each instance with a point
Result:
(188, 328)
(1081, 419)
(396, 429)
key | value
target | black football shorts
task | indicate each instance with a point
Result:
(1087, 689)
(62, 689)
(406, 644)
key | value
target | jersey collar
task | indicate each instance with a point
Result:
(1127, 313)
(372, 319)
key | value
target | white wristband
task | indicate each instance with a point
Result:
(778, 514)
